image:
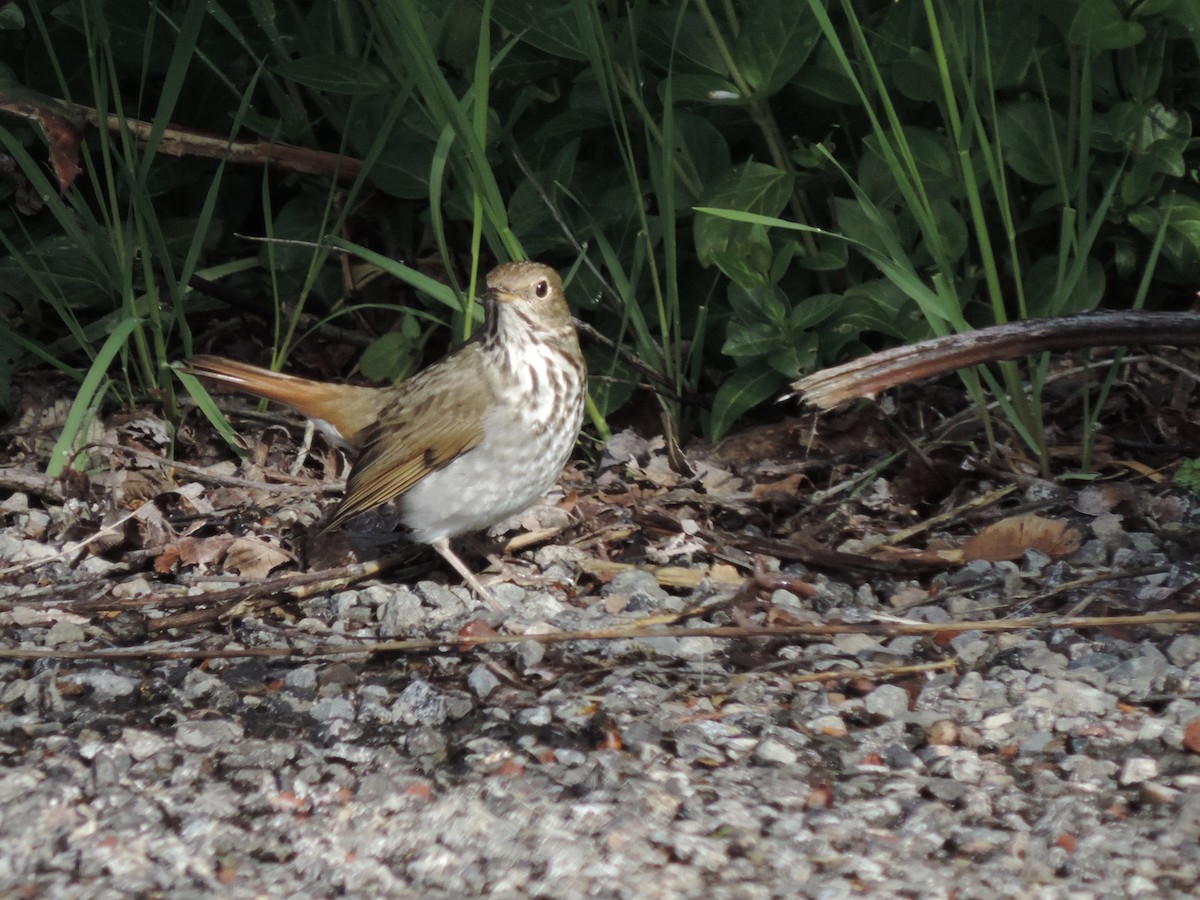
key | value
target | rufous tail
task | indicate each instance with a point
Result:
(346, 408)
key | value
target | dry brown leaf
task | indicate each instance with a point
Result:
(1010, 538)
(166, 561)
(789, 486)
(202, 551)
(63, 134)
(252, 558)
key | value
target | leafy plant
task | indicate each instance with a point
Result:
(937, 166)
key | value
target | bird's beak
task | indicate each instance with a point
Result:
(495, 295)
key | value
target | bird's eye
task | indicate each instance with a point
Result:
(542, 288)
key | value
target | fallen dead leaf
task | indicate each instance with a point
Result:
(202, 551)
(1010, 538)
(252, 558)
(789, 486)
(166, 561)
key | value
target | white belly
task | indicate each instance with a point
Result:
(515, 464)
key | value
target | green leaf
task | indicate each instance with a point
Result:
(1186, 14)
(879, 306)
(388, 358)
(917, 77)
(742, 251)
(81, 407)
(1188, 475)
(859, 224)
(952, 229)
(935, 167)
(1099, 25)
(11, 18)
(1181, 241)
(682, 37)
(1045, 297)
(831, 255)
(759, 303)
(741, 392)
(1031, 136)
(1012, 40)
(336, 75)
(747, 341)
(795, 356)
(442, 293)
(706, 87)
(549, 25)
(814, 310)
(402, 170)
(775, 40)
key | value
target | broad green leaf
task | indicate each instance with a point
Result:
(747, 260)
(11, 18)
(336, 75)
(1012, 41)
(755, 339)
(831, 255)
(1044, 297)
(742, 251)
(935, 167)
(858, 224)
(1181, 242)
(953, 231)
(812, 311)
(682, 38)
(826, 77)
(741, 392)
(388, 358)
(775, 40)
(706, 87)
(1185, 13)
(549, 25)
(1100, 25)
(759, 303)
(796, 356)
(917, 77)
(1031, 136)
(701, 147)
(403, 170)
(882, 307)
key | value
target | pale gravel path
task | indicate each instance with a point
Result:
(1052, 765)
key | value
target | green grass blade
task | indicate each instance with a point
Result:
(89, 390)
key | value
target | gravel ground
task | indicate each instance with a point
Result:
(1047, 763)
(1044, 761)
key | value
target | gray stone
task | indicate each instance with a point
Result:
(1184, 650)
(482, 681)
(887, 701)
(218, 734)
(401, 614)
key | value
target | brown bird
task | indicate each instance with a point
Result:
(466, 442)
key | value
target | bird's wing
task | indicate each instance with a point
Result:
(438, 420)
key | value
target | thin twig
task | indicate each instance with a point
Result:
(882, 626)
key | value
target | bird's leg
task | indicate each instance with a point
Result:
(442, 546)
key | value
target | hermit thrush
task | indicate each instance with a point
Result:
(464, 443)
